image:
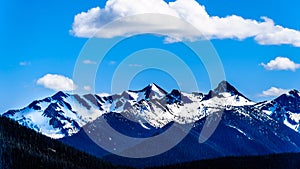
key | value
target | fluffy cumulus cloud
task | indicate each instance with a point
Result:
(92, 23)
(57, 82)
(273, 91)
(281, 63)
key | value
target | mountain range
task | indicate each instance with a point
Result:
(245, 128)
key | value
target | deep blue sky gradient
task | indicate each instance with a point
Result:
(37, 32)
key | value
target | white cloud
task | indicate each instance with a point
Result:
(273, 91)
(89, 62)
(281, 63)
(24, 63)
(57, 82)
(90, 23)
(87, 88)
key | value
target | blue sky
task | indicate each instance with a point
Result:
(36, 40)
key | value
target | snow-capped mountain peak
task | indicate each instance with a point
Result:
(57, 116)
(64, 114)
(285, 108)
(226, 95)
(225, 87)
(152, 91)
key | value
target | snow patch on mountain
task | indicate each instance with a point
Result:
(240, 131)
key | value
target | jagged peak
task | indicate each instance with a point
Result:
(59, 95)
(224, 86)
(154, 86)
(292, 93)
(151, 87)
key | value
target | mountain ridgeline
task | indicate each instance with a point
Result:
(246, 128)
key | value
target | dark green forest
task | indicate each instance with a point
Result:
(274, 161)
(23, 148)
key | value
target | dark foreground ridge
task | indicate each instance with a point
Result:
(23, 148)
(274, 161)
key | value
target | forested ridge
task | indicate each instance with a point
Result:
(272, 161)
(24, 148)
